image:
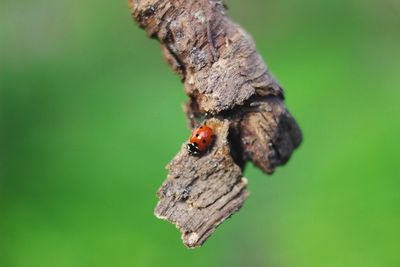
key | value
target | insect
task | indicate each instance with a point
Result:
(200, 140)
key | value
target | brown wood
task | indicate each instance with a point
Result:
(229, 87)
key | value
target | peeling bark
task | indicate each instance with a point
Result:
(269, 134)
(230, 87)
(198, 198)
(215, 58)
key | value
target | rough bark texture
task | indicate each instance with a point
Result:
(269, 134)
(215, 58)
(230, 88)
(197, 198)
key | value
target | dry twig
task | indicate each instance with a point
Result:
(229, 87)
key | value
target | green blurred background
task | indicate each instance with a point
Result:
(90, 114)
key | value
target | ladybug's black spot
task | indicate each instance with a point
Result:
(204, 140)
(197, 135)
(201, 127)
(195, 144)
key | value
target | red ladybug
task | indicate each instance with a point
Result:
(200, 140)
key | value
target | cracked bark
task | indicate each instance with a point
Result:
(231, 89)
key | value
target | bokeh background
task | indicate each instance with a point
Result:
(90, 114)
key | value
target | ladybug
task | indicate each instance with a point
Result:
(200, 140)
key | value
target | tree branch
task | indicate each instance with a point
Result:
(230, 88)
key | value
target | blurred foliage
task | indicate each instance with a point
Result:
(90, 115)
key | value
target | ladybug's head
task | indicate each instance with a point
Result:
(193, 149)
